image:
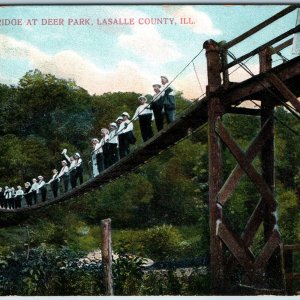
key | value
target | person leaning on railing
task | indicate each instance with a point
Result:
(113, 144)
(34, 190)
(28, 194)
(42, 189)
(72, 168)
(64, 175)
(168, 95)
(79, 168)
(144, 114)
(125, 133)
(54, 183)
(18, 197)
(157, 105)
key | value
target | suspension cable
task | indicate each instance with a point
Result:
(197, 77)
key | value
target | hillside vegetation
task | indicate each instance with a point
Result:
(159, 211)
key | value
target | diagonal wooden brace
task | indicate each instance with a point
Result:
(239, 155)
(267, 251)
(253, 223)
(236, 247)
(237, 173)
(284, 90)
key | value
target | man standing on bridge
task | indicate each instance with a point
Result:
(157, 107)
(168, 95)
(125, 133)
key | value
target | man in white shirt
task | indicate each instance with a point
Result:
(42, 188)
(113, 143)
(125, 133)
(7, 195)
(34, 190)
(79, 168)
(144, 114)
(96, 157)
(54, 183)
(72, 168)
(18, 197)
(64, 175)
(157, 105)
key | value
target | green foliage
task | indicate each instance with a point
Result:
(127, 272)
(23, 157)
(123, 200)
(162, 242)
(288, 216)
(175, 283)
(287, 149)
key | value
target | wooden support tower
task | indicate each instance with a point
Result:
(265, 270)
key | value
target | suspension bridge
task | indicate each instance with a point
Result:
(273, 86)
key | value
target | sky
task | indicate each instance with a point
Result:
(109, 58)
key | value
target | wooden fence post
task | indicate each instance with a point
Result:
(107, 256)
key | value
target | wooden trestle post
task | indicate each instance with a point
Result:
(274, 266)
(263, 271)
(215, 112)
(107, 256)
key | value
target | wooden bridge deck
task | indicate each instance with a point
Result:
(196, 115)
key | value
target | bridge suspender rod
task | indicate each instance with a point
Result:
(260, 48)
(260, 26)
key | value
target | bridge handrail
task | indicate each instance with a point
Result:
(290, 275)
(258, 49)
(260, 26)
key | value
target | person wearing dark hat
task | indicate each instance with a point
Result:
(54, 183)
(168, 95)
(27, 193)
(42, 189)
(144, 113)
(113, 144)
(64, 174)
(125, 133)
(157, 105)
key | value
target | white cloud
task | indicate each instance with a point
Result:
(146, 42)
(126, 76)
(12, 48)
(202, 23)
(150, 45)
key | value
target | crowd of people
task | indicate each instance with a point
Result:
(114, 145)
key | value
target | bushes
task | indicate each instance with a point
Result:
(162, 242)
(49, 272)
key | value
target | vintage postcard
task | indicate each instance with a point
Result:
(149, 149)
